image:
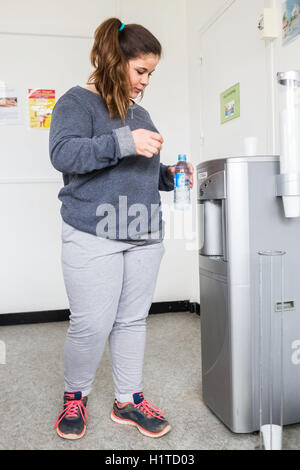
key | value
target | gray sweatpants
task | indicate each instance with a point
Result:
(110, 286)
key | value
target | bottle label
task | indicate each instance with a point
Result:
(179, 180)
(181, 189)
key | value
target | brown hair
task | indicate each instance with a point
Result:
(110, 54)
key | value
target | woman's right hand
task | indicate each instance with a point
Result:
(147, 143)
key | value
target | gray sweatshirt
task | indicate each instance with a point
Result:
(109, 190)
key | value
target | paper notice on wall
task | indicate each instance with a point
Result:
(41, 104)
(230, 104)
(9, 105)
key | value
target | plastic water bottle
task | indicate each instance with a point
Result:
(182, 198)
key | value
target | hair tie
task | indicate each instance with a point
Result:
(122, 27)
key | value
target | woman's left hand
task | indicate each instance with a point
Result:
(191, 170)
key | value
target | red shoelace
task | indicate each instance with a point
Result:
(150, 409)
(71, 409)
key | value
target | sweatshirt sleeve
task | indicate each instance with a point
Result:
(166, 180)
(72, 148)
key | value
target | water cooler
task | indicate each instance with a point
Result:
(240, 212)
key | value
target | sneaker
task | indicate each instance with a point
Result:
(144, 415)
(72, 421)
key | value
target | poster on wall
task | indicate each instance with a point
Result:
(9, 105)
(230, 104)
(41, 104)
(290, 21)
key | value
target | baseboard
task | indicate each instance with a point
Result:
(48, 316)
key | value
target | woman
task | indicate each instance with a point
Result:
(107, 148)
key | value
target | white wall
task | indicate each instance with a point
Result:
(231, 51)
(224, 34)
(200, 14)
(47, 46)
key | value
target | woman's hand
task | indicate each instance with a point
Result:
(191, 170)
(147, 143)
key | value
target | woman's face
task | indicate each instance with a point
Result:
(140, 71)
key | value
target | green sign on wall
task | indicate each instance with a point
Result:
(230, 103)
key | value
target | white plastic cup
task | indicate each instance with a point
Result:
(272, 436)
(291, 206)
(250, 146)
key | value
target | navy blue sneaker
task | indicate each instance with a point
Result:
(144, 415)
(72, 421)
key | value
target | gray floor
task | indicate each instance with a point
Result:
(32, 388)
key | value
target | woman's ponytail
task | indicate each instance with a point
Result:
(113, 47)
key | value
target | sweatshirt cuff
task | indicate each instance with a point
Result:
(169, 175)
(166, 180)
(125, 141)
